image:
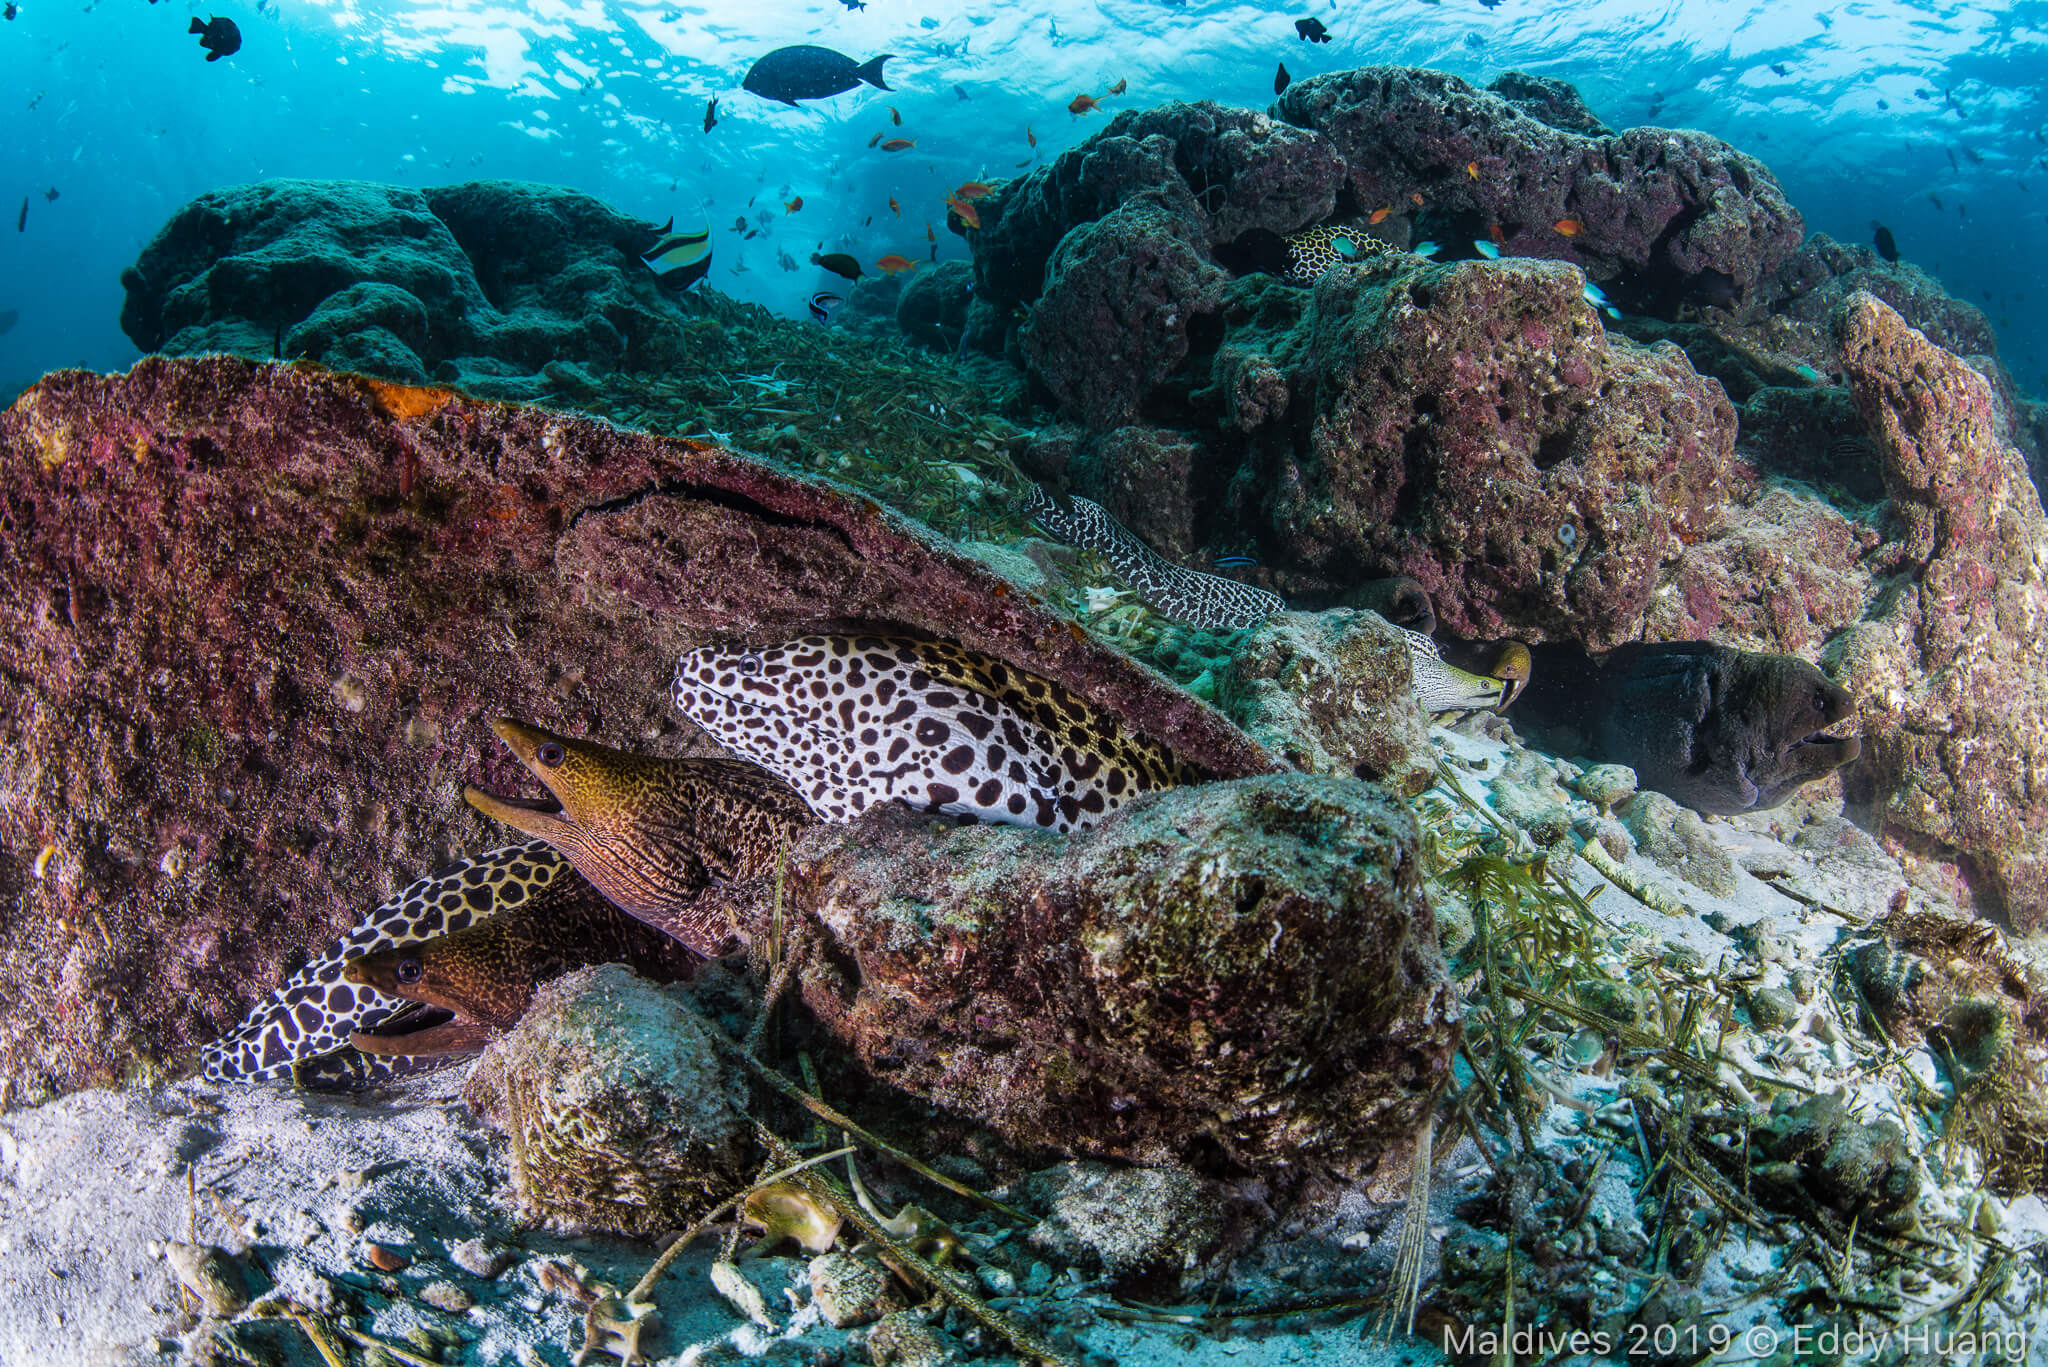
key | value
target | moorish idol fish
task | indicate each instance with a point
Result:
(681, 259)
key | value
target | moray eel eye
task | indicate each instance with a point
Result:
(549, 754)
(408, 970)
(749, 665)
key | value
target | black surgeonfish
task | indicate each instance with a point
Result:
(219, 37)
(804, 72)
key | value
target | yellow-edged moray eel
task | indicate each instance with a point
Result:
(648, 833)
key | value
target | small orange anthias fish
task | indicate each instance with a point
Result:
(793, 205)
(894, 117)
(876, 138)
(1379, 216)
(1568, 226)
(1082, 104)
(1416, 197)
(967, 212)
(973, 189)
(1472, 169)
(1119, 87)
(929, 235)
(894, 207)
(1499, 238)
(1030, 136)
(898, 145)
(892, 264)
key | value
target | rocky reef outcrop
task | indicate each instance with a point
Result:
(504, 288)
(1949, 664)
(1241, 976)
(256, 618)
(1713, 464)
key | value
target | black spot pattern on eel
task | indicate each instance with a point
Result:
(930, 724)
(315, 1012)
(1208, 601)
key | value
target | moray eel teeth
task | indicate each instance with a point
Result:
(1208, 601)
(316, 1011)
(854, 722)
(1443, 687)
(481, 980)
(1514, 667)
(649, 833)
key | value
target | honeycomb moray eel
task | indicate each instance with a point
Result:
(1214, 603)
(649, 833)
(486, 975)
(316, 1010)
(1312, 251)
(854, 721)
(1208, 601)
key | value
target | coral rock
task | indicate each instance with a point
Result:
(1130, 1222)
(253, 619)
(1951, 670)
(1480, 433)
(1195, 980)
(1222, 171)
(1334, 693)
(1662, 202)
(513, 276)
(621, 1114)
(932, 309)
(1121, 297)
(852, 1289)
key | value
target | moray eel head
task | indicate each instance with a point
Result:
(1514, 667)
(1721, 730)
(649, 833)
(1781, 709)
(467, 974)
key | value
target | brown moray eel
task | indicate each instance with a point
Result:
(1718, 729)
(649, 833)
(486, 975)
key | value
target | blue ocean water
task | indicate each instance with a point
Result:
(1932, 119)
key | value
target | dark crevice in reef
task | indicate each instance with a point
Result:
(718, 498)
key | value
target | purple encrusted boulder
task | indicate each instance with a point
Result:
(1122, 296)
(254, 620)
(1478, 431)
(1660, 202)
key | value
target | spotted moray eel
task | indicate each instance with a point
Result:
(1208, 601)
(1312, 251)
(856, 721)
(316, 1010)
